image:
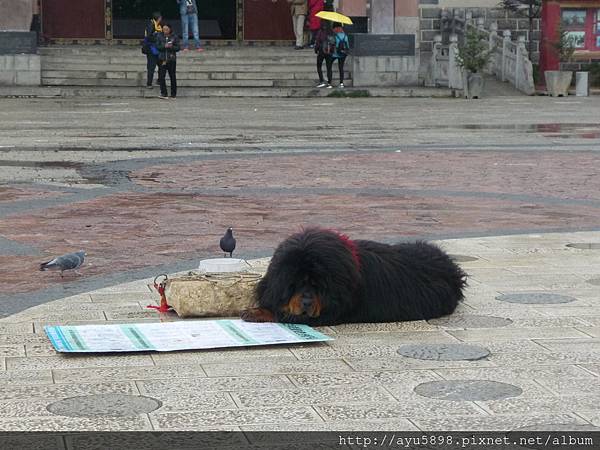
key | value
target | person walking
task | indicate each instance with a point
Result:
(153, 27)
(299, 9)
(314, 23)
(168, 46)
(188, 10)
(324, 48)
(342, 45)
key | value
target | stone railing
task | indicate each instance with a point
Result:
(509, 60)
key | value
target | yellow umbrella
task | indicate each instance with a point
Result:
(334, 17)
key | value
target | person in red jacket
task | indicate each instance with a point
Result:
(314, 23)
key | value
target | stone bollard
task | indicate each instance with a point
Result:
(582, 84)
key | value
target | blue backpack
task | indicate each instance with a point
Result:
(342, 47)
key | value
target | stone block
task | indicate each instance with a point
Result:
(7, 78)
(7, 62)
(21, 62)
(382, 18)
(28, 78)
(15, 15)
(496, 13)
(428, 35)
(375, 79)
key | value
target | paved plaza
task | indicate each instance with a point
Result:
(504, 185)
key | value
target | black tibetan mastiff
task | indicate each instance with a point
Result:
(320, 277)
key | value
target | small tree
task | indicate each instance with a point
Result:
(474, 53)
(531, 9)
(564, 46)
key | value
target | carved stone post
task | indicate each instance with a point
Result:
(505, 52)
(455, 75)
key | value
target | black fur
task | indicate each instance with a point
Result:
(384, 283)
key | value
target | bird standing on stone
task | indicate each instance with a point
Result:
(70, 261)
(228, 242)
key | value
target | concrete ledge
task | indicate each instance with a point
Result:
(20, 70)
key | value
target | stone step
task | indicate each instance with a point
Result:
(271, 68)
(218, 51)
(125, 92)
(184, 60)
(183, 75)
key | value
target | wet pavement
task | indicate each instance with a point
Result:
(145, 190)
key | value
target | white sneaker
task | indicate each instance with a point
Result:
(341, 85)
(329, 86)
(322, 85)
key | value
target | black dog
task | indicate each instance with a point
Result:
(320, 277)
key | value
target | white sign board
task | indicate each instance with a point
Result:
(171, 336)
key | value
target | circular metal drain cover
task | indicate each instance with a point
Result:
(444, 352)
(109, 405)
(536, 298)
(470, 321)
(594, 281)
(585, 245)
(463, 258)
(468, 390)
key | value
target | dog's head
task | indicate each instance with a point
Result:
(312, 274)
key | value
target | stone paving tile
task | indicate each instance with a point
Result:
(354, 328)
(45, 316)
(537, 359)
(134, 313)
(384, 347)
(494, 423)
(16, 377)
(74, 362)
(193, 401)
(403, 363)
(217, 384)
(224, 355)
(517, 333)
(518, 346)
(570, 345)
(11, 339)
(12, 350)
(592, 416)
(517, 373)
(59, 423)
(572, 386)
(26, 409)
(409, 378)
(580, 312)
(548, 404)
(274, 366)
(161, 373)
(590, 331)
(122, 298)
(15, 328)
(591, 320)
(238, 417)
(41, 349)
(137, 287)
(311, 396)
(423, 408)
(371, 425)
(57, 391)
(594, 368)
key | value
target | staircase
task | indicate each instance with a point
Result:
(120, 71)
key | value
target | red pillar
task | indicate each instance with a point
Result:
(550, 24)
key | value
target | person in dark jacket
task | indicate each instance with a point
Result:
(168, 46)
(340, 53)
(153, 27)
(324, 48)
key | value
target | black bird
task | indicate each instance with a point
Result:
(228, 242)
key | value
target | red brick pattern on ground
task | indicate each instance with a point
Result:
(558, 174)
(13, 194)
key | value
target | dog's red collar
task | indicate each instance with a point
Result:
(350, 245)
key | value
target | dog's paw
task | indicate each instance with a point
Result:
(257, 315)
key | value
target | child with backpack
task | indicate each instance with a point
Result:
(341, 49)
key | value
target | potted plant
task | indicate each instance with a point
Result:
(473, 56)
(558, 81)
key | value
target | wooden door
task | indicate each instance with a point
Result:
(266, 20)
(71, 19)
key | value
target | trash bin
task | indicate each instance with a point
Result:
(582, 84)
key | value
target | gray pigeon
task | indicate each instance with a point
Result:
(70, 261)
(228, 242)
